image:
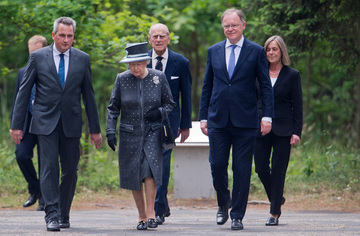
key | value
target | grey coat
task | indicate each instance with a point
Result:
(132, 98)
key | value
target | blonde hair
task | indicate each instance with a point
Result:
(38, 39)
(285, 59)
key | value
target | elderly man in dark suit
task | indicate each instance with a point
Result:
(228, 112)
(24, 151)
(177, 71)
(62, 75)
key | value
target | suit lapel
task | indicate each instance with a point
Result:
(49, 58)
(244, 53)
(72, 63)
(220, 51)
(170, 64)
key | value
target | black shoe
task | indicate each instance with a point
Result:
(152, 223)
(283, 201)
(222, 214)
(52, 225)
(63, 223)
(160, 219)
(31, 200)
(41, 208)
(271, 221)
(142, 225)
(167, 212)
(236, 224)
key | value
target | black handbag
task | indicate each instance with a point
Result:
(168, 139)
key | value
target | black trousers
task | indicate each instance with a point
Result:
(58, 197)
(24, 154)
(273, 178)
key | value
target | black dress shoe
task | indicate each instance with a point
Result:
(142, 225)
(63, 223)
(222, 214)
(52, 225)
(152, 223)
(41, 208)
(31, 200)
(160, 219)
(236, 224)
(271, 221)
(283, 201)
(167, 212)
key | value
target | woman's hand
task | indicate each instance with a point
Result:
(153, 115)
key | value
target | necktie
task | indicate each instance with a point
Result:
(159, 65)
(231, 65)
(61, 71)
(32, 97)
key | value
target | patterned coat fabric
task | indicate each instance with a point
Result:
(133, 98)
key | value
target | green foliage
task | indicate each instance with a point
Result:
(322, 39)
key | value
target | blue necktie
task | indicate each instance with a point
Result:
(61, 72)
(231, 65)
(32, 97)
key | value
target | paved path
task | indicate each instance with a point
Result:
(183, 221)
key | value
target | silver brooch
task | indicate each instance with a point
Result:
(156, 80)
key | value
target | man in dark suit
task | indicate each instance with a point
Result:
(62, 75)
(24, 151)
(177, 71)
(228, 113)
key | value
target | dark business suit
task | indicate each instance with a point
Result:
(230, 108)
(24, 151)
(288, 118)
(57, 121)
(178, 75)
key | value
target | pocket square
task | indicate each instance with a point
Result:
(174, 77)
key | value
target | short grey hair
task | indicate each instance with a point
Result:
(64, 20)
(285, 58)
(233, 10)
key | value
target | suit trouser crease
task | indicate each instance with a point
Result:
(58, 198)
(242, 141)
(161, 200)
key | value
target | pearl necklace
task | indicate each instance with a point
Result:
(274, 73)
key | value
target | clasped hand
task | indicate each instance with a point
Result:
(153, 115)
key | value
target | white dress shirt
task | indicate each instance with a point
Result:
(163, 61)
(237, 50)
(56, 55)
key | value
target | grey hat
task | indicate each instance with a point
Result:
(136, 52)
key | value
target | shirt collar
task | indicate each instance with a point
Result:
(165, 55)
(57, 52)
(240, 43)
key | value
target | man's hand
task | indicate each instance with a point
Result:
(97, 139)
(184, 134)
(294, 139)
(203, 127)
(16, 135)
(111, 139)
(265, 127)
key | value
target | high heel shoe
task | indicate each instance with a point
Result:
(142, 225)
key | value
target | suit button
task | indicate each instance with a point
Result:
(229, 85)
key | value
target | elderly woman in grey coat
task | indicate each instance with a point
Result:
(142, 98)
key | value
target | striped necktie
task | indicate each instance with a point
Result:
(159, 65)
